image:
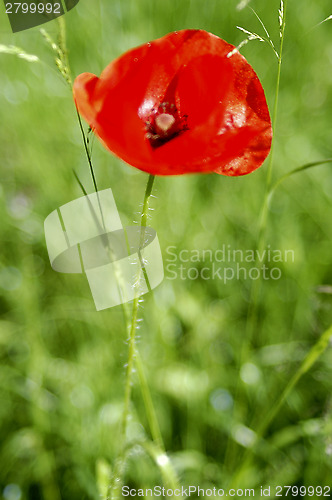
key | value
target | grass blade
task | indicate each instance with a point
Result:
(296, 171)
(313, 355)
(315, 352)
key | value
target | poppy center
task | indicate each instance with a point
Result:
(164, 124)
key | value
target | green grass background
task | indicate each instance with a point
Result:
(62, 363)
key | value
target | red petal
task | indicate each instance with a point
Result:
(83, 89)
(202, 88)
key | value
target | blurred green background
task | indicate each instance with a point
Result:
(63, 364)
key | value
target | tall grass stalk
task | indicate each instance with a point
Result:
(165, 466)
(256, 287)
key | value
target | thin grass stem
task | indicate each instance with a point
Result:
(131, 326)
(256, 287)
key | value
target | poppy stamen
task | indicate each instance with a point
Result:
(164, 122)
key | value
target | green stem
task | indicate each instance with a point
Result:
(146, 202)
(149, 408)
(134, 359)
(87, 152)
(133, 326)
(62, 63)
(119, 466)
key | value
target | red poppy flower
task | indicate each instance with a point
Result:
(180, 104)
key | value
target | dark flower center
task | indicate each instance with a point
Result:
(164, 124)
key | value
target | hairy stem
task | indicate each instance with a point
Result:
(133, 326)
(119, 466)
